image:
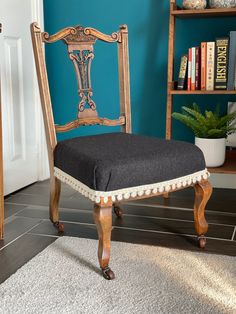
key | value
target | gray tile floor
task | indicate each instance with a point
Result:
(156, 221)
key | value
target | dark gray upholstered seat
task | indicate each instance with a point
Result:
(113, 161)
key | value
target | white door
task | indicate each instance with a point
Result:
(22, 125)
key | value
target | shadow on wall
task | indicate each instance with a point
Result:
(150, 107)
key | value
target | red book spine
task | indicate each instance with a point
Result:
(189, 68)
(197, 81)
(203, 65)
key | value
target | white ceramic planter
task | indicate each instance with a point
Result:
(213, 150)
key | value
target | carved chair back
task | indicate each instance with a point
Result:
(80, 47)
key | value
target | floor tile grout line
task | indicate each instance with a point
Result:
(20, 236)
(144, 230)
(172, 233)
(133, 215)
(234, 232)
(178, 208)
(15, 215)
(44, 235)
(30, 194)
(176, 219)
(141, 204)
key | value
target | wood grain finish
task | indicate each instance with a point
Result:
(103, 220)
(1, 170)
(114, 37)
(203, 191)
(171, 44)
(89, 121)
(121, 38)
(202, 92)
(179, 13)
(124, 78)
(55, 191)
(57, 36)
(44, 93)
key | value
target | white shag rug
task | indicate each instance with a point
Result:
(65, 278)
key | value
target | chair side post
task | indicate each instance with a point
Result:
(124, 78)
(44, 93)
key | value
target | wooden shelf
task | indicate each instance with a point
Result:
(201, 92)
(180, 13)
(229, 165)
(177, 12)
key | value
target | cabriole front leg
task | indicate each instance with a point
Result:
(103, 220)
(203, 191)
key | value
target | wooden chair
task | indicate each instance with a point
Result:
(110, 168)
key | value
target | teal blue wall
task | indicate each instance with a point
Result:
(148, 43)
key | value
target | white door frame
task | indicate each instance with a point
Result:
(43, 167)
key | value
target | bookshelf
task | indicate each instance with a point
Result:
(176, 12)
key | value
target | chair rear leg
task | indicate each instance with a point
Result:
(103, 219)
(55, 190)
(203, 191)
(118, 210)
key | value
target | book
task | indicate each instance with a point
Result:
(210, 64)
(189, 68)
(197, 69)
(193, 68)
(203, 65)
(182, 72)
(221, 63)
(232, 61)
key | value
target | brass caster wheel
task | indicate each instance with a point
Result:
(202, 242)
(118, 211)
(108, 273)
(59, 226)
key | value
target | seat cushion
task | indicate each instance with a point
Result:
(114, 161)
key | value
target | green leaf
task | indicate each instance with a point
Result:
(207, 125)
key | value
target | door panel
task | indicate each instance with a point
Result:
(20, 112)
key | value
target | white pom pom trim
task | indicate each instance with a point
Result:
(131, 192)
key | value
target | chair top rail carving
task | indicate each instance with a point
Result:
(85, 35)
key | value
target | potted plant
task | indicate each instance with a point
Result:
(210, 130)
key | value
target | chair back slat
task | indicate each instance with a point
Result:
(80, 47)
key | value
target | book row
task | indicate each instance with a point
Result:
(211, 66)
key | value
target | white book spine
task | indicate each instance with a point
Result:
(210, 66)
